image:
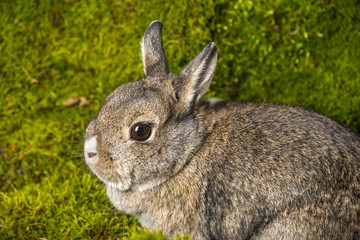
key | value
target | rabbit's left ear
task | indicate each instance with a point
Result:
(153, 56)
(195, 79)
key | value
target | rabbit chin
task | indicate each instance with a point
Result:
(139, 187)
(122, 186)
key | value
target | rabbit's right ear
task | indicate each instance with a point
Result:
(153, 55)
(195, 79)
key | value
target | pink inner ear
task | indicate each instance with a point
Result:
(91, 154)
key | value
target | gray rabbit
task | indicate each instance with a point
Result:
(222, 169)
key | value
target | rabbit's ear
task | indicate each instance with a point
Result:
(194, 80)
(153, 56)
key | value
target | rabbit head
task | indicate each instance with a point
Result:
(144, 133)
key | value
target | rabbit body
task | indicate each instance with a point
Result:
(222, 170)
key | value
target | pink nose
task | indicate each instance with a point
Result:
(91, 154)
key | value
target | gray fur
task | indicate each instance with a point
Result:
(153, 55)
(224, 170)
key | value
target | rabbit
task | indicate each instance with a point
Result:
(221, 169)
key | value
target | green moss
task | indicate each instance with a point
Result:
(298, 52)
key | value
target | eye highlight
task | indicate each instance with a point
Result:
(140, 132)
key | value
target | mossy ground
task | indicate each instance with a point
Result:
(302, 52)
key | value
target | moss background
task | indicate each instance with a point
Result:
(59, 59)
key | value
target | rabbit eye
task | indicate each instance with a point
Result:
(140, 132)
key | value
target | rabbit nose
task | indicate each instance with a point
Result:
(91, 154)
(90, 149)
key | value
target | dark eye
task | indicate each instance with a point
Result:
(140, 132)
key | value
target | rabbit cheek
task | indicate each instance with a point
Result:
(108, 171)
(102, 164)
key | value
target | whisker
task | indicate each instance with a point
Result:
(89, 118)
(69, 124)
(93, 115)
(123, 218)
(83, 167)
(78, 135)
(98, 89)
(73, 150)
(66, 141)
(73, 141)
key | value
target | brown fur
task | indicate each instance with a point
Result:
(224, 170)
